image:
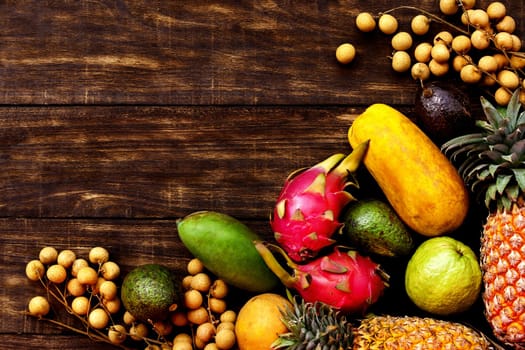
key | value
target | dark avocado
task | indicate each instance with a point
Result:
(443, 111)
(148, 291)
(372, 225)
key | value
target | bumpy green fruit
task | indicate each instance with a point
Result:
(148, 291)
(373, 226)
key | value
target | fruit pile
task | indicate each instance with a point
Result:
(153, 310)
(478, 44)
(330, 239)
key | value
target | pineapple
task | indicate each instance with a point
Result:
(318, 326)
(492, 164)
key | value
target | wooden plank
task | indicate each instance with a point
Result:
(158, 161)
(213, 52)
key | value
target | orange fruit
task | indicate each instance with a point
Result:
(259, 323)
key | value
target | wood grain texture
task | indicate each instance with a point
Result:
(182, 52)
(158, 161)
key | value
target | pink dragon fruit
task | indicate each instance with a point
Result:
(345, 280)
(308, 207)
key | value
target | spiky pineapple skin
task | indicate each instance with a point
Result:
(503, 263)
(410, 332)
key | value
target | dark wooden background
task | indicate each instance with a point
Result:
(118, 117)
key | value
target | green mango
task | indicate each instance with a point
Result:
(226, 248)
(372, 225)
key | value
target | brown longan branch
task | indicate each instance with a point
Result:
(429, 14)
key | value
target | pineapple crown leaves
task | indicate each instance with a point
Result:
(313, 326)
(492, 161)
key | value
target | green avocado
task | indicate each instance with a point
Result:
(372, 225)
(148, 291)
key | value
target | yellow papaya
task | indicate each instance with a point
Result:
(418, 180)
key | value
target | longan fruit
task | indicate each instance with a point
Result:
(461, 44)
(448, 7)
(365, 22)
(459, 62)
(117, 334)
(201, 282)
(401, 61)
(75, 288)
(488, 63)
(87, 275)
(98, 255)
(56, 273)
(465, 16)
(488, 79)
(77, 265)
(506, 24)
(226, 325)
(128, 318)
(480, 39)
(186, 282)
(503, 41)
(108, 290)
(345, 53)
(496, 10)
(182, 346)
(110, 270)
(198, 316)
(420, 71)
(422, 52)
(516, 43)
(38, 306)
(438, 68)
(502, 60)
(163, 328)
(420, 24)
(205, 332)
(193, 299)
(502, 96)
(443, 37)
(179, 319)
(470, 74)
(225, 339)
(217, 305)
(182, 338)
(401, 41)
(228, 316)
(80, 305)
(66, 258)
(440, 53)
(112, 306)
(387, 24)
(479, 18)
(195, 266)
(219, 289)
(48, 255)
(35, 270)
(517, 62)
(138, 331)
(211, 346)
(508, 79)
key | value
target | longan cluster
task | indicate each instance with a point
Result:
(205, 311)
(88, 289)
(482, 50)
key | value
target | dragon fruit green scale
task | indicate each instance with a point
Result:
(307, 211)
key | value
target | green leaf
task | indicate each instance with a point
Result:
(519, 175)
(502, 182)
(492, 114)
